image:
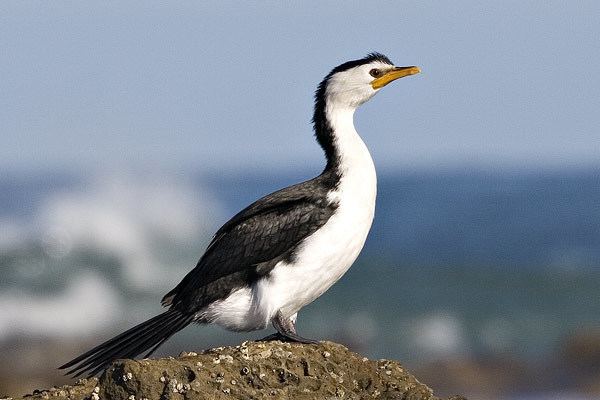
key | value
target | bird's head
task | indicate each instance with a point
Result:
(354, 82)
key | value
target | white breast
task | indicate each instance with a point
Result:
(323, 257)
(327, 254)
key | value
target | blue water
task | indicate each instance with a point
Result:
(501, 219)
(505, 261)
(458, 264)
(502, 261)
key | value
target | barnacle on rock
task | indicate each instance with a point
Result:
(253, 370)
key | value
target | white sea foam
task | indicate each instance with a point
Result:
(89, 303)
(439, 334)
(138, 220)
(151, 228)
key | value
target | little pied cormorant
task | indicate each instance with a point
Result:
(283, 251)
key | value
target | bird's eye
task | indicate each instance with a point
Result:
(375, 73)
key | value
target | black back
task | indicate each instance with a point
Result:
(251, 243)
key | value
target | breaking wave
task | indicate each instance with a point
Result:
(65, 263)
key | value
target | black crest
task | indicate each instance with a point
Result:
(369, 58)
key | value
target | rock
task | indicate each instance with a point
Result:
(580, 362)
(253, 370)
(581, 350)
(489, 377)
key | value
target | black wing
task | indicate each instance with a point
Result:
(250, 244)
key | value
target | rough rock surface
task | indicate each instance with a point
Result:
(253, 370)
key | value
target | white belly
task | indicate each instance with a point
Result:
(320, 261)
(323, 257)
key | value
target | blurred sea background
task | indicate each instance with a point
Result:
(130, 132)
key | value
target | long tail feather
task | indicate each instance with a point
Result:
(150, 334)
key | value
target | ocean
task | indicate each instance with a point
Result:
(462, 264)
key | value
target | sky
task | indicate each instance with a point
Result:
(229, 85)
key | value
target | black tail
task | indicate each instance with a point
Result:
(147, 335)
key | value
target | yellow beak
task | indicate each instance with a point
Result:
(393, 74)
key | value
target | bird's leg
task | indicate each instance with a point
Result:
(286, 330)
(279, 336)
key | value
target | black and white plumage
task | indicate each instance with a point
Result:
(283, 251)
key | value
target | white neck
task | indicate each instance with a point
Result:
(351, 151)
(354, 164)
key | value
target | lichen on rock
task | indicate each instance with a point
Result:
(253, 370)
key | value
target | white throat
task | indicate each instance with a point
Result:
(354, 164)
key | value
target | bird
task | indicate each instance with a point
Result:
(286, 249)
